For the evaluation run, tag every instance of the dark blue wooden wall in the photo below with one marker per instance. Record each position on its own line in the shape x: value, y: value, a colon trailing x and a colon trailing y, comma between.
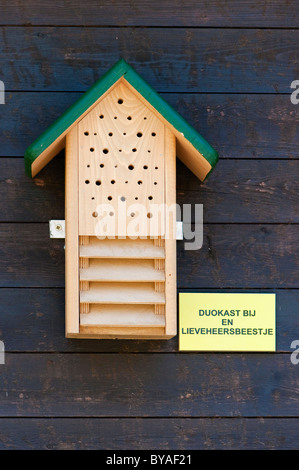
x: 227, y: 67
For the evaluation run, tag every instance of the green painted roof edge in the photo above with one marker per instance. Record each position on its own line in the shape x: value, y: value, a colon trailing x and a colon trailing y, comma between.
x: 72, y: 113
x: 172, y: 116
x: 121, y: 68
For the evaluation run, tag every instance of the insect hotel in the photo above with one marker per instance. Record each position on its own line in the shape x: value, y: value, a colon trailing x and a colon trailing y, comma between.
x: 121, y: 140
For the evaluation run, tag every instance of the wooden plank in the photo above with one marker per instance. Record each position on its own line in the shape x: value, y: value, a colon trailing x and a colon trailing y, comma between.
x: 34, y: 321
x: 122, y: 248
x: 233, y: 256
x: 115, y: 270
x: 170, y: 239
x: 238, y: 190
x: 249, y: 13
x: 277, y: 13
x: 243, y: 191
x: 147, y: 332
x: 242, y: 256
x: 148, y: 385
x: 152, y: 433
x: 122, y: 315
x: 122, y: 293
x: 214, y: 60
x: 71, y: 233
x: 238, y: 126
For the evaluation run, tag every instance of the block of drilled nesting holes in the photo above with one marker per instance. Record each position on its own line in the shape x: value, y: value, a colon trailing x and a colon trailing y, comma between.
x: 121, y: 140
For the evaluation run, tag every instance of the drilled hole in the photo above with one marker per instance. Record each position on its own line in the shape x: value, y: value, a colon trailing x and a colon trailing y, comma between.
x: 88, y: 166
x: 101, y: 116
x: 139, y: 134
x: 110, y: 134
x: 132, y: 214
x: 131, y: 167
x: 91, y: 149
x: 134, y: 150
x: 109, y: 198
x: 98, y: 183
x: 139, y: 182
x: 156, y: 168
x: 145, y: 118
x: 126, y: 182
x: 155, y: 183
x: 149, y: 151
x: 149, y: 215
x: 86, y: 133
x: 95, y: 214
x: 112, y: 181
x: 145, y: 167
x: 123, y: 198
x: 95, y: 133
x: 87, y: 181
x: 120, y: 101
x: 120, y: 150
x: 136, y: 198
x: 153, y: 134
x: 150, y: 198
x: 115, y: 117
x: 102, y: 165
x: 129, y: 118
x: 105, y: 151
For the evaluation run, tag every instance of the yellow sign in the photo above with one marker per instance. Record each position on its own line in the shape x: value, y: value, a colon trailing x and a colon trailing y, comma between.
x: 227, y: 322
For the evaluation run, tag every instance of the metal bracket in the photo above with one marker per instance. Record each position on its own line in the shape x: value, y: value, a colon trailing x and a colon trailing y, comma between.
x: 179, y: 231
x: 57, y: 228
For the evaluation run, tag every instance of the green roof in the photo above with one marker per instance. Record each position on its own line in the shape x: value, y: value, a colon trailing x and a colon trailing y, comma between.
x: 72, y: 114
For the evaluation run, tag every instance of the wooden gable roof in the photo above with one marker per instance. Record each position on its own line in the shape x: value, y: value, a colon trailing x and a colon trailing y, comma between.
x: 192, y: 149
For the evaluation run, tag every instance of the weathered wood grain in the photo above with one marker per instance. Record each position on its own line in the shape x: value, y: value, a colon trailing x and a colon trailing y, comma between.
x: 178, y: 60
x: 129, y: 385
x: 148, y: 434
x: 238, y: 190
x: 277, y: 13
x: 232, y: 256
x: 34, y: 320
x: 237, y: 125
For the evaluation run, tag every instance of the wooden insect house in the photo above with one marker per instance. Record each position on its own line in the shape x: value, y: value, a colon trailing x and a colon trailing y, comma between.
x: 121, y: 140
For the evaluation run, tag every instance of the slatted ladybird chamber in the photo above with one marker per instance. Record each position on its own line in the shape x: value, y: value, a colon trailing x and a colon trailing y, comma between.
x: 121, y: 141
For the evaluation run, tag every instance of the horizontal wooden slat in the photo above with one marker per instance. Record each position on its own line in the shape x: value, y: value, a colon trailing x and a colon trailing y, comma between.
x: 122, y: 315
x: 148, y: 385
x: 33, y: 320
x: 121, y: 292
x: 114, y: 270
x: 237, y: 126
x: 179, y: 60
x: 236, y: 191
x: 121, y: 248
x: 277, y: 13
x: 232, y: 256
x: 151, y: 433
